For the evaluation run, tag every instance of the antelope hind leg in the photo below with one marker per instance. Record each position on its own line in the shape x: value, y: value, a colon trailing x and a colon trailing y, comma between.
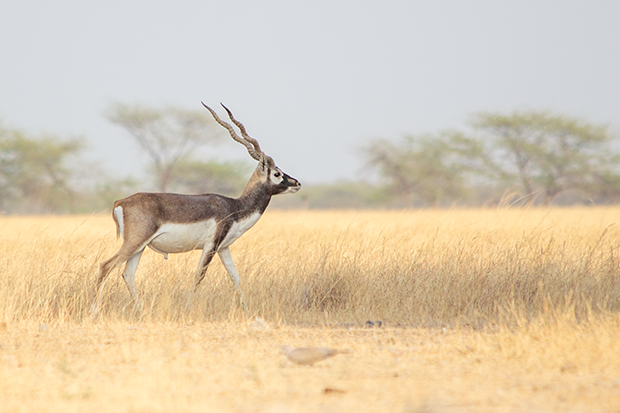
x: 129, y: 277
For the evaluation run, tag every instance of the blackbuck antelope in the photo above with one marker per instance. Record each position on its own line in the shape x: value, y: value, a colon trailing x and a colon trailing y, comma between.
x: 172, y: 223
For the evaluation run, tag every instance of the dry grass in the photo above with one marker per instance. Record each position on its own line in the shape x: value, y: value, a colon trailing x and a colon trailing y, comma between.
x: 485, y: 310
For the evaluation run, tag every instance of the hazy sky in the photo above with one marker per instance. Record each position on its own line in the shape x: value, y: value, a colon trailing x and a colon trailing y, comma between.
x: 311, y: 80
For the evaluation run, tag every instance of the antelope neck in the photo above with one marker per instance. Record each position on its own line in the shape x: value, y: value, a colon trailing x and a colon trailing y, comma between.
x: 253, y: 199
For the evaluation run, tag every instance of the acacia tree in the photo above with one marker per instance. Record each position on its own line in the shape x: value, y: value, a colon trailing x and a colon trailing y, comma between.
x: 168, y: 135
x: 545, y: 153
x: 429, y: 167
x: 35, y: 173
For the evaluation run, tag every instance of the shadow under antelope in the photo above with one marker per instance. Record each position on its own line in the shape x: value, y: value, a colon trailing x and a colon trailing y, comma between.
x: 173, y: 223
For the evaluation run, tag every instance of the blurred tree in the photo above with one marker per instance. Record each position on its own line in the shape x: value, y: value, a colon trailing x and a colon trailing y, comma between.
x: 108, y: 190
x: 342, y: 194
x: 167, y: 135
x: 196, y: 177
x: 605, y: 188
x: 545, y: 153
x: 429, y: 167
x: 34, y: 173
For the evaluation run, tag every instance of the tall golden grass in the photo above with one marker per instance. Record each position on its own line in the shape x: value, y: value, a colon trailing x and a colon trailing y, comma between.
x: 440, y: 268
x: 483, y: 310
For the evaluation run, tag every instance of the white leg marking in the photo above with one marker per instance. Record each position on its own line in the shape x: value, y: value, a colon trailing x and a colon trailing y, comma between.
x: 129, y: 277
x: 227, y: 260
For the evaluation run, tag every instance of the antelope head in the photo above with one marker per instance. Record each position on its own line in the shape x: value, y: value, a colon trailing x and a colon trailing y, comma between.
x: 271, y: 178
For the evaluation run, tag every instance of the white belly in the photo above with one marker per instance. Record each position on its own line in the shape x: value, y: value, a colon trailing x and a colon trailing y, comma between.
x: 173, y: 238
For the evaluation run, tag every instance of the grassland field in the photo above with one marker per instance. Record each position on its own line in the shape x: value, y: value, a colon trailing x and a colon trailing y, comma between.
x: 482, y: 310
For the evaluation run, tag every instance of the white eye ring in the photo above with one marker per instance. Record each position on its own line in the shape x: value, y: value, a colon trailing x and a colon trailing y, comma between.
x: 277, y: 174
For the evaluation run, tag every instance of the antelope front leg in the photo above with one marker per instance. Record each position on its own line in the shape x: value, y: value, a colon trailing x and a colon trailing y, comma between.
x: 104, y: 271
x: 205, y: 260
x: 227, y: 260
